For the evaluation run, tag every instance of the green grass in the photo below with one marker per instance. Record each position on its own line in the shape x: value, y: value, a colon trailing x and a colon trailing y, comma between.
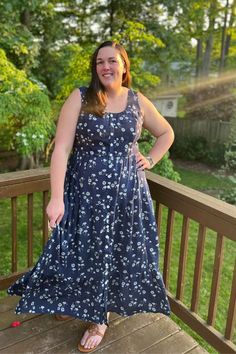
x: 196, y: 180
x: 203, y: 181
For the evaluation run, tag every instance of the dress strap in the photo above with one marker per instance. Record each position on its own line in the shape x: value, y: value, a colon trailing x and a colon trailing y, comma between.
x: 83, y: 90
x: 135, y: 100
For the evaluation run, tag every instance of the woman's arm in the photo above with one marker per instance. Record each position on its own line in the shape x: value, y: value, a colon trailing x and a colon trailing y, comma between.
x: 158, y: 126
x: 64, y: 140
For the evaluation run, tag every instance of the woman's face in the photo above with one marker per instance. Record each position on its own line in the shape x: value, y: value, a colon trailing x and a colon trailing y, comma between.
x: 110, y: 67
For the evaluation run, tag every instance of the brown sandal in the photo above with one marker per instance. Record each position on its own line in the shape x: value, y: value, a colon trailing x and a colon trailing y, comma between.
x: 60, y: 317
x: 93, y: 330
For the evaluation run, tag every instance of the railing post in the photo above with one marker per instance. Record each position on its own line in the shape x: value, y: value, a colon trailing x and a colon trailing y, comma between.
x: 198, y: 268
x: 168, y: 247
x: 14, y: 233
x: 182, y: 258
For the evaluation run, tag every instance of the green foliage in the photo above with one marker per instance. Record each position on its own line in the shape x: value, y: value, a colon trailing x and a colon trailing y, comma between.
x: 165, y: 166
x: 230, y: 153
x: 76, y: 61
x: 230, y: 164
x: 22, y: 30
x: 20, y: 46
x: 229, y: 196
x: 25, y: 111
x: 230, y: 160
x: 135, y: 36
x: 197, y: 148
x: 138, y: 41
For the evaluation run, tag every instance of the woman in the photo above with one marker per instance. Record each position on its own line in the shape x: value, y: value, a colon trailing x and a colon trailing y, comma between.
x: 103, y: 252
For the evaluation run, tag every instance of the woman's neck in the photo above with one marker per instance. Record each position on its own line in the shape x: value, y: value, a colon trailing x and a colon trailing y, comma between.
x: 115, y: 92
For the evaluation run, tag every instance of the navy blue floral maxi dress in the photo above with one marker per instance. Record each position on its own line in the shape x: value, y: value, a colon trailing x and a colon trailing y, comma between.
x: 103, y: 256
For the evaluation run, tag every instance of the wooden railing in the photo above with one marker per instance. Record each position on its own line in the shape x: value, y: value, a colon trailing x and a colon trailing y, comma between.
x: 210, y: 213
x: 14, y: 185
x: 169, y: 198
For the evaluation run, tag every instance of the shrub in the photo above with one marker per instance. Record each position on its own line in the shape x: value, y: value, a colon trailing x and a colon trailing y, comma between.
x: 197, y: 148
x: 25, y: 111
x: 229, y: 196
x: 165, y: 166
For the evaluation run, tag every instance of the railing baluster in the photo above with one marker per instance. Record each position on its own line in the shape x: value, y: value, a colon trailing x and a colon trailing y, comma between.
x: 45, y: 218
x: 14, y: 233
x: 168, y: 247
x: 215, y: 280
x: 198, y: 268
x: 231, y: 318
x: 182, y: 258
x: 30, y: 229
x: 158, y: 213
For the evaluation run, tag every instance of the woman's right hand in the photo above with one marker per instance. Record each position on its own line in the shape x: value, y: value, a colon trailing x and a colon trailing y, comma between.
x: 55, y: 211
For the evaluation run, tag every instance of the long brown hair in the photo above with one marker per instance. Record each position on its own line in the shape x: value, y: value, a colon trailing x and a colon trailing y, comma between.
x: 95, y: 96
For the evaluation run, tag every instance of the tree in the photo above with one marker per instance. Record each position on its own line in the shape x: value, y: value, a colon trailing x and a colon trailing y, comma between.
x: 227, y: 30
x: 25, y: 112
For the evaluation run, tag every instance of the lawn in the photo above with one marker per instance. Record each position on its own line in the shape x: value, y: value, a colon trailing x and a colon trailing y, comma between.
x: 204, y: 181
x: 196, y: 180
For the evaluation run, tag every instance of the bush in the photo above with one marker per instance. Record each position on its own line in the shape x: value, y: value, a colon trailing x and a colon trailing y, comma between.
x: 229, y: 196
x: 165, y: 166
x: 25, y: 111
x: 230, y: 153
x: 197, y: 148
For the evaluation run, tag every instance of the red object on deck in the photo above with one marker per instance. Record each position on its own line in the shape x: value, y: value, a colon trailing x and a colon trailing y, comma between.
x: 15, y: 323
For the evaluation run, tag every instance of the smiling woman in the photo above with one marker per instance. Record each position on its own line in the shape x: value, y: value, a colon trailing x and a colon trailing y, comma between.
x: 110, y: 69
x: 103, y: 254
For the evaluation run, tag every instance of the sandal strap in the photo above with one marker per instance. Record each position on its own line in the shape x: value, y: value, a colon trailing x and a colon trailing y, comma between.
x: 93, y: 329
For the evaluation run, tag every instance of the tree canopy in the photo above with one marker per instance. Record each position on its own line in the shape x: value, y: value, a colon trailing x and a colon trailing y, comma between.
x: 46, y: 48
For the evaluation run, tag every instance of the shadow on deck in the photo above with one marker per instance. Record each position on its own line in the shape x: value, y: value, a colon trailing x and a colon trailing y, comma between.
x: 141, y: 333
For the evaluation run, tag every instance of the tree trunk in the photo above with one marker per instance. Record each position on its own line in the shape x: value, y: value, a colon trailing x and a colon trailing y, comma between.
x: 25, y: 18
x: 111, y: 19
x: 209, y: 42
x: 231, y: 23
x: 207, y: 56
x: 223, y: 39
x: 199, y: 57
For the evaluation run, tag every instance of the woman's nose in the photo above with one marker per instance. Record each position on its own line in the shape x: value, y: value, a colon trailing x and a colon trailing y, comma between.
x: 105, y: 65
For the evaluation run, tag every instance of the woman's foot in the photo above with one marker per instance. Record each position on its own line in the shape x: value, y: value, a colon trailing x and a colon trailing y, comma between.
x: 92, y: 337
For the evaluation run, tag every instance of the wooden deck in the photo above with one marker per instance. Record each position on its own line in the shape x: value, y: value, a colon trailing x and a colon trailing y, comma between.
x: 146, y: 333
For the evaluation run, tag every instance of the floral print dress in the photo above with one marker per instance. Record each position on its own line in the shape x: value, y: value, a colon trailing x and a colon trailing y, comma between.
x: 104, y: 254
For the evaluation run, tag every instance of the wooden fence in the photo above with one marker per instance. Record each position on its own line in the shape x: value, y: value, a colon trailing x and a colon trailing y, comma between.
x: 212, y: 130
x: 206, y: 211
